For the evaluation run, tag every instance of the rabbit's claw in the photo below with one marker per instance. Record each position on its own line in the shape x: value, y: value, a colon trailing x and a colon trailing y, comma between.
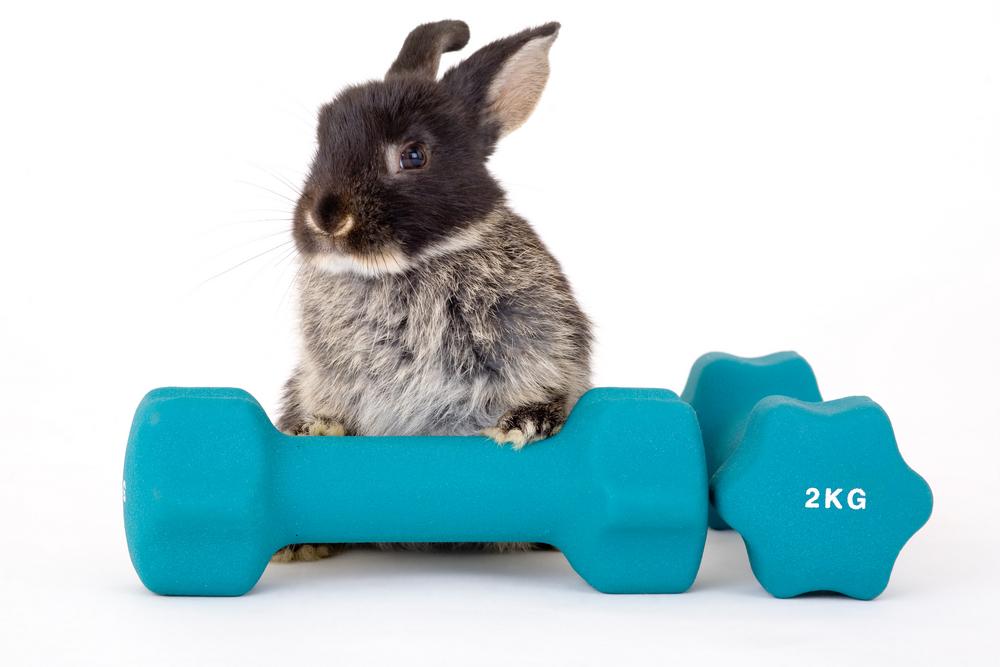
x: 305, y: 552
x: 320, y: 426
x: 528, y: 423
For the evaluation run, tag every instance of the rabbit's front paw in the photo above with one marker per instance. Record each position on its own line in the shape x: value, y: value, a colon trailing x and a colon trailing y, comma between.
x: 320, y: 426
x: 528, y: 423
x: 305, y: 552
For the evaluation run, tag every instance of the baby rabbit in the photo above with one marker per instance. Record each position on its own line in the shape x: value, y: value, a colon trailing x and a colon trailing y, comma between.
x: 427, y: 306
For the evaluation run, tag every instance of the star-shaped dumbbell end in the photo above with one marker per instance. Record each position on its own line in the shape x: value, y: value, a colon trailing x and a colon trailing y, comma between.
x: 821, y: 495
x: 723, y: 389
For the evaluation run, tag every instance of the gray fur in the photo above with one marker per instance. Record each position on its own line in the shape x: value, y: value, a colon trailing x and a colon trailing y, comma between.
x: 446, y: 348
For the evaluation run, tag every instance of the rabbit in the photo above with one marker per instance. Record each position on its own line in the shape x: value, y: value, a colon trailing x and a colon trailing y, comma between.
x: 427, y: 306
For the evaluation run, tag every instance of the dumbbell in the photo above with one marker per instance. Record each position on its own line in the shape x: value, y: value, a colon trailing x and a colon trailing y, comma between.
x: 818, y: 490
x: 212, y: 489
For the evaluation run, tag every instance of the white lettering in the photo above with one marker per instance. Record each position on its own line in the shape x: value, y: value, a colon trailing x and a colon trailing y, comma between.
x: 856, y: 499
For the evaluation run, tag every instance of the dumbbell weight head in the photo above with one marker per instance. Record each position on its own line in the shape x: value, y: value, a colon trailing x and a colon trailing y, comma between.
x: 821, y: 496
x: 649, y: 492
x: 723, y: 389
x: 818, y: 490
x: 197, y: 489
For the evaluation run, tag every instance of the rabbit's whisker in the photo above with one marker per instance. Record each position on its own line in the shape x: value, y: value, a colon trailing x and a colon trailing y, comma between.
x: 287, y: 256
x: 295, y: 279
x: 233, y: 222
x: 281, y: 179
x: 248, y: 242
x: 249, y: 259
x: 267, y: 189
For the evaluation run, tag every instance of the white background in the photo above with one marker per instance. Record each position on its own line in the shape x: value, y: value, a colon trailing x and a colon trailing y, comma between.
x: 747, y: 177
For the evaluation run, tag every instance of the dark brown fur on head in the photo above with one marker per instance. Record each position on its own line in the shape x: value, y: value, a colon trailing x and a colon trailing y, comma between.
x: 358, y: 202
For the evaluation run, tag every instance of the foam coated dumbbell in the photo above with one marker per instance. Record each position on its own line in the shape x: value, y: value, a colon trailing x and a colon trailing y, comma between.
x: 818, y: 490
x: 723, y: 389
x: 212, y: 489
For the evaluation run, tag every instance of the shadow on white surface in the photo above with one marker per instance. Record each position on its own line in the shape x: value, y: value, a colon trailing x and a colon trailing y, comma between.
x: 363, y: 568
x: 724, y: 567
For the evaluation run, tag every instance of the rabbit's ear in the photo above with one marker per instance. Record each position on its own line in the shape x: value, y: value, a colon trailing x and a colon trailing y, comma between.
x: 503, y: 81
x: 421, y: 52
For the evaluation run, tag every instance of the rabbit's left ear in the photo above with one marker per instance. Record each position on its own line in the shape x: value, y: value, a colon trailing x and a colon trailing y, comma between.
x: 421, y: 52
x: 503, y: 81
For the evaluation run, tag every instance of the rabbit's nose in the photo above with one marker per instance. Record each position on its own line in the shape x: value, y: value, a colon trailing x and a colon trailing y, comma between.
x: 332, y: 217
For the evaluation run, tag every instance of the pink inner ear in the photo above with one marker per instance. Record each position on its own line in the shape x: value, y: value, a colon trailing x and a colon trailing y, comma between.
x: 518, y: 86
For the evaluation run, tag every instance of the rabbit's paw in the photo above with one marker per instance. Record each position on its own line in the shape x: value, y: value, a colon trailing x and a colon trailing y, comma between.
x: 305, y: 552
x: 321, y: 426
x: 528, y: 423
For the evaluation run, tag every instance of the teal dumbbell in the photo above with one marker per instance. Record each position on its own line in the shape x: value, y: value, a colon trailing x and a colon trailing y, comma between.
x: 212, y: 489
x: 818, y: 490
x: 723, y: 389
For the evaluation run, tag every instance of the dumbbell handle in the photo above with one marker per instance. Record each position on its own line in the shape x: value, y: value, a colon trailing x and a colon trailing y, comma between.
x: 425, y: 489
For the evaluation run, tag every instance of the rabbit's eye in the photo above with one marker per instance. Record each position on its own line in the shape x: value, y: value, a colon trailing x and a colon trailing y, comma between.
x: 413, y: 156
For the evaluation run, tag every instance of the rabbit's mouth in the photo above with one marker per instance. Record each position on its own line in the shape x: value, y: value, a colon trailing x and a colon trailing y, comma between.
x: 372, y: 264
x: 346, y: 245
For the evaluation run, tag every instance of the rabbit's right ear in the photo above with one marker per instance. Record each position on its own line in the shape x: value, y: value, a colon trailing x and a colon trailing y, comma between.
x: 503, y: 81
x: 421, y: 52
